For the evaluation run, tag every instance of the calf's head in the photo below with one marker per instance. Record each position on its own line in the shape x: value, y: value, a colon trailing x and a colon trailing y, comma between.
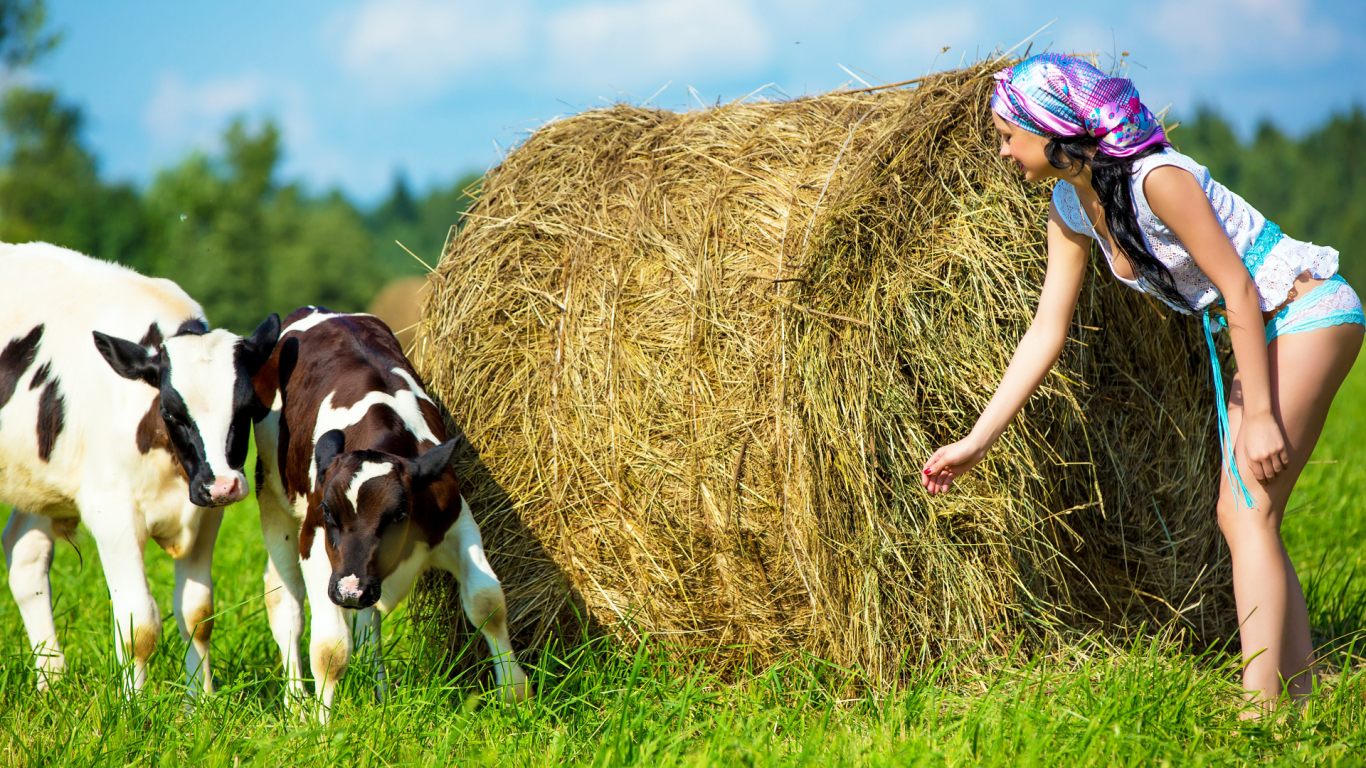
x: 206, y: 398
x: 367, y: 505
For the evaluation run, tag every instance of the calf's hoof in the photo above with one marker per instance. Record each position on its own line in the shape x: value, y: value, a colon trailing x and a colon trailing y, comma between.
x: 50, y: 672
x: 47, y: 679
x: 299, y: 707
x: 516, y: 687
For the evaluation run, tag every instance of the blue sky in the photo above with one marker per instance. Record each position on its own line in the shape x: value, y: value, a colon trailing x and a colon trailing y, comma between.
x: 439, y: 87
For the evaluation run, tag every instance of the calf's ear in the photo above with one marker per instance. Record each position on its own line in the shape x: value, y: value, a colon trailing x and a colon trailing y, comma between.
x: 430, y: 466
x: 128, y: 359
x: 257, y: 347
x: 328, y: 448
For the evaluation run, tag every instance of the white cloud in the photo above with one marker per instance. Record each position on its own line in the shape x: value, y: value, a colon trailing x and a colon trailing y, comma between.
x: 924, y: 35
x: 182, y: 116
x: 407, y: 45
x: 650, y: 41
x: 180, y: 113
x: 1223, y: 34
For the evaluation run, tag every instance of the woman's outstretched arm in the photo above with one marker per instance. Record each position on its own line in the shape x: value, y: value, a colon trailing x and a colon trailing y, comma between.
x: 1035, y: 354
x: 1178, y: 200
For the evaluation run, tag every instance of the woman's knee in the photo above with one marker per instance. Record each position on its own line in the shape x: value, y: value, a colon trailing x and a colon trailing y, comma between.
x: 1240, y: 523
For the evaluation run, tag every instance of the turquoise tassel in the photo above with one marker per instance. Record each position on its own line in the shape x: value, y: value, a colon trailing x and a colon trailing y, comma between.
x: 1253, y: 259
x: 1225, y: 436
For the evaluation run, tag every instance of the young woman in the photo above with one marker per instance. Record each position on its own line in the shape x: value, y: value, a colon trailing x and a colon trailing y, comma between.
x: 1166, y: 228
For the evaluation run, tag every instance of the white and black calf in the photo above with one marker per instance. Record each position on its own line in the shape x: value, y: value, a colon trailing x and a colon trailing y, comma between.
x: 137, y: 439
x: 357, y: 498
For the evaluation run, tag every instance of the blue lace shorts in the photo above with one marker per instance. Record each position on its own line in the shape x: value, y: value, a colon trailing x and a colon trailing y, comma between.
x: 1332, y: 303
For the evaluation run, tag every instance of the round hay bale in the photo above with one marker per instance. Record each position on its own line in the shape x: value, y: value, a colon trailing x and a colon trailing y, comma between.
x: 700, y: 358
x: 399, y: 305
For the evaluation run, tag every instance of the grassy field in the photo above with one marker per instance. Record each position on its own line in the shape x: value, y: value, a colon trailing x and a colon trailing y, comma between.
x: 1149, y: 703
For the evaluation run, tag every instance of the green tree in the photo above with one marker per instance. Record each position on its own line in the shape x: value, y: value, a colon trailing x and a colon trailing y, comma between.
x: 1331, y: 207
x: 220, y: 225
x: 1213, y: 139
x: 245, y: 246
x: 1314, y: 187
x: 421, y: 225
x: 50, y: 188
x: 210, y: 227
x: 444, y: 209
x: 399, y: 210
x: 23, y: 37
x: 321, y: 256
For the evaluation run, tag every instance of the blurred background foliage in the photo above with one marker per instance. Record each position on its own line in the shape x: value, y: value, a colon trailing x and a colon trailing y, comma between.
x: 1313, y: 186
x: 246, y: 243
x: 223, y: 226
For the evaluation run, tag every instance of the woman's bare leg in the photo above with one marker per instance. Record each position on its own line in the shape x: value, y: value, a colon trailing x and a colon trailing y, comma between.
x: 1297, y: 654
x: 1306, y: 371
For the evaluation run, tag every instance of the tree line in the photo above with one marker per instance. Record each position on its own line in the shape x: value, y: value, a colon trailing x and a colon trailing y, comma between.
x: 221, y: 225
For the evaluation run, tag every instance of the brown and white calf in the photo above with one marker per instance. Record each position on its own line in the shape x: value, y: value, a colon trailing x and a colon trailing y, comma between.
x: 357, y: 498
x: 137, y: 439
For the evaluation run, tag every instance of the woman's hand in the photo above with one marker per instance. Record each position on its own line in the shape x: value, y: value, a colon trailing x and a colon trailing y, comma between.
x: 1263, y: 445
x: 1036, y: 353
x: 950, y: 462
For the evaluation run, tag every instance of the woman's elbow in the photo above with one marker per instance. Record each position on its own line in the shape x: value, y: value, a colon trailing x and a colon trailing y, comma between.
x: 1047, y: 340
x: 1243, y: 296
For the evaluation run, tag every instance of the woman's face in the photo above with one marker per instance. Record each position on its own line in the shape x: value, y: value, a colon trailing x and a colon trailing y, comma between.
x: 1025, y: 148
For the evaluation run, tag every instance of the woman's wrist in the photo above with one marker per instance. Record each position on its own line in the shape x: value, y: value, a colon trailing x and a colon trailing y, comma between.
x: 1247, y: 332
x: 979, y: 442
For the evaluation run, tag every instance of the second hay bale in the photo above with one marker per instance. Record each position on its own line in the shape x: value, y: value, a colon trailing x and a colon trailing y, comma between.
x: 702, y: 356
x: 399, y: 305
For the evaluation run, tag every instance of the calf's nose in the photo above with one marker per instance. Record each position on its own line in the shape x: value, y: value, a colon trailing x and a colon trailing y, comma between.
x: 348, y: 589
x: 226, y: 490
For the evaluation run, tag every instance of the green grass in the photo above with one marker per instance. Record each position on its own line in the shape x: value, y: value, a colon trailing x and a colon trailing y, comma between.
x: 1094, y: 704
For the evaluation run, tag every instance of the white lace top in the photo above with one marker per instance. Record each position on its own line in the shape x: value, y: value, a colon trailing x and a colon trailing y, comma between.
x: 1243, y: 223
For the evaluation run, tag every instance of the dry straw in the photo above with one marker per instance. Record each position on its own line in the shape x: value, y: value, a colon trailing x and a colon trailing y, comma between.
x: 702, y: 356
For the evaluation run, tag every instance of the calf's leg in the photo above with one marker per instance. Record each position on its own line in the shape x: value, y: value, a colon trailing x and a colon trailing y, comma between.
x: 461, y: 553
x: 330, y: 644
x: 28, y: 556
x: 121, y: 539
x: 284, y: 588
x: 193, y: 602
x: 366, y: 622
x: 284, y: 582
x: 365, y: 640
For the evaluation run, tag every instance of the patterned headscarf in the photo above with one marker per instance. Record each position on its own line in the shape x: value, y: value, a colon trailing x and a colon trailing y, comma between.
x: 1054, y: 94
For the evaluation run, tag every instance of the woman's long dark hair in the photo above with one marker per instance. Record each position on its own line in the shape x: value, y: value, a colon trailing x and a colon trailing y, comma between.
x: 1110, y: 176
